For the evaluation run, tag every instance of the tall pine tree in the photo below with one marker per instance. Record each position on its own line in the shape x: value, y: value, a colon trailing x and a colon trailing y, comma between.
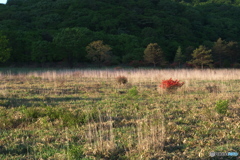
x: 201, y: 57
x: 179, y: 57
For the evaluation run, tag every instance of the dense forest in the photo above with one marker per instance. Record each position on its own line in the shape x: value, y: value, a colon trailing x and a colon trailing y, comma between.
x: 44, y: 32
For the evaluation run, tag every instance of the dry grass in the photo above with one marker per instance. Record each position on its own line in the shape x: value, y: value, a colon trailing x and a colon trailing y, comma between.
x: 75, y: 114
x: 137, y: 74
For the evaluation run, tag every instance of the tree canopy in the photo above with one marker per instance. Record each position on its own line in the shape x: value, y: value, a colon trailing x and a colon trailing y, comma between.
x: 154, y: 54
x: 35, y: 28
x: 98, y: 52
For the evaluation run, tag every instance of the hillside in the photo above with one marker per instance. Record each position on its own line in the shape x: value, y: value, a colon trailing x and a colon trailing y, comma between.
x: 32, y: 27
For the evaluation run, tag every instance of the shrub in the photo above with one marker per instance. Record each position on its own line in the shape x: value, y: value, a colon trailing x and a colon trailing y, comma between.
x: 122, y: 80
x: 171, y: 85
x: 222, y: 106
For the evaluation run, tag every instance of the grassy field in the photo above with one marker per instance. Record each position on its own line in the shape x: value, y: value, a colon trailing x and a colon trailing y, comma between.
x: 86, y: 114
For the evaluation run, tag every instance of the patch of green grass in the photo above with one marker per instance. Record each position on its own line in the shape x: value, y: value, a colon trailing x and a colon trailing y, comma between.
x: 222, y: 106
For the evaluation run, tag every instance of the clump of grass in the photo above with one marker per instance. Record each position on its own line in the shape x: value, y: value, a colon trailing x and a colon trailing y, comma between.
x: 76, y: 152
x: 122, y: 80
x: 222, y: 106
x: 133, y: 91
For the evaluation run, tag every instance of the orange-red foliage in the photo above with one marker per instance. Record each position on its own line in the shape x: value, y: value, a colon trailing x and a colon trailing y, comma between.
x: 170, y: 84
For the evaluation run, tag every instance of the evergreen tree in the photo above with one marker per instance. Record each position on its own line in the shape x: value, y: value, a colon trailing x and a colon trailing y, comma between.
x: 201, y: 57
x: 154, y: 54
x: 219, y: 50
x: 69, y: 43
x: 179, y: 57
x: 43, y: 51
x: 232, y: 53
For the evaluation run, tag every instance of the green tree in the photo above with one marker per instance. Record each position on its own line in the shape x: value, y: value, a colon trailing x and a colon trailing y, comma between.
x: 69, y: 43
x: 21, y: 44
x: 201, y: 57
x: 125, y: 47
x: 43, y: 51
x: 179, y: 57
x: 154, y: 54
x: 219, y: 49
x: 232, y: 53
x: 98, y: 52
x: 5, y: 51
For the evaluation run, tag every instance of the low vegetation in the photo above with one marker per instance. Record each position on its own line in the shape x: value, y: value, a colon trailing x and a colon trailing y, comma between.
x: 81, y: 114
x: 121, y: 80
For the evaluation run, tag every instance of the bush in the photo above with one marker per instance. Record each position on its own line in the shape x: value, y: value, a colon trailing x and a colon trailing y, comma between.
x: 171, y: 85
x: 122, y: 80
x: 222, y: 106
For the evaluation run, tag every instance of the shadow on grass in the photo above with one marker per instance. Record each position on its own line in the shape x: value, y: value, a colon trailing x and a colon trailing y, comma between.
x: 16, y: 102
x: 18, y: 150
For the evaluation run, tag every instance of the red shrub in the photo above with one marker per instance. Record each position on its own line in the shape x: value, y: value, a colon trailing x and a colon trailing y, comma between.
x: 171, y: 85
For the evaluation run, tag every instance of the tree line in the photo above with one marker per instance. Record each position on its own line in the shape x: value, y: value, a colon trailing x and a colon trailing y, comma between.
x: 53, y: 31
